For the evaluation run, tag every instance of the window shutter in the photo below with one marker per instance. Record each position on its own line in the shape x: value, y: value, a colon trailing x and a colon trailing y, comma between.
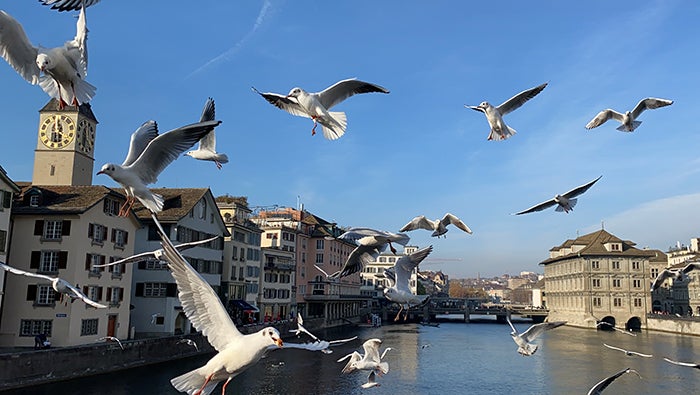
x: 104, y: 233
x: 126, y: 237
x: 121, y: 294
x: 114, y: 235
x: 105, y: 206
x: 85, y: 290
x: 34, y: 262
x: 6, y: 199
x: 102, y: 262
x: 99, y: 293
x: 31, y: 292
x: 109, y: 294
x: 142, y: 265
x: 65, y: 228
x: 171, y: 290
x: 62, y: 259
x: 91, y: 230
x: 88, y: 262
x: 38, y: 227
x: 123, y: 271
x: 139, y: 289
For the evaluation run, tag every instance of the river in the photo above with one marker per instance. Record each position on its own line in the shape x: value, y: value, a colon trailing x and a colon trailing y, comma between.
x: 454, y: 358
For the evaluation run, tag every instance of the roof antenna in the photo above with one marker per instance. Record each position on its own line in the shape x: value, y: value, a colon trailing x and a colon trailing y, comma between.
x: 602, y: 224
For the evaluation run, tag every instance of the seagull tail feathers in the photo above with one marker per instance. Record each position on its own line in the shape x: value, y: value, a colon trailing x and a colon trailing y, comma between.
x: 154, y: 203
x: 572, y: 203
x: 384, y: 367
x: 84, y: 91
x: 192, y: 381
x: 635, y: 125
x: 336, y: 128
x: 511, y: 132
x: 222, y: 158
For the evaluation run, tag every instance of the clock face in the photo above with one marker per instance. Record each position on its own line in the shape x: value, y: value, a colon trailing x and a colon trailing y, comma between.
x: 57, y: 131
x: 86, y: 136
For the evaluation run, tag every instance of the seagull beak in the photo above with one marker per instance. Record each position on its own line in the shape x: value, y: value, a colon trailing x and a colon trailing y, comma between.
x: 100, y: 172
x: 475, y: 108
x: 279, y: 342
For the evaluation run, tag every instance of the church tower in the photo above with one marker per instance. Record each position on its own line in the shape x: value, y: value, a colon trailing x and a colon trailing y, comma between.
x: 65, y: 147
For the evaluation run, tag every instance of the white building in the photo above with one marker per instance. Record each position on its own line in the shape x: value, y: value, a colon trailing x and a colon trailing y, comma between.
x: 7, y: 189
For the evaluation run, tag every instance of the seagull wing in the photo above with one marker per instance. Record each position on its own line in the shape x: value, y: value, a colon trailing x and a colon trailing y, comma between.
x: 518, y: 100
x: 140, y: 140
x: 341, y: 341
x: 354, y: 357
x: 17, y: 50
x: 615, y: 348
x: 23, y: 273
x: 201, y: 304
x: 580, y: 190
x: 405, y: 265
x: 603, y: 384
x: 649, y: 103
x: 419, y: 222
x: 68, y: 5
x: 538, y: 207
x: 79, y: 294
x: 341, y: 90
x: 603, y: 117
x: 536, y: 330
x: 208, y: 142
x: 688, y: 364
x: 515, y: 331
x: 690, y: 267
x: 641, y: 355
x: 288, y: 104
x: 318, y: 345
x: 661, y: 277
x: 357, y: 260
x: 167, y: 147
x: 451, y: 219
x: 131, y: 259
x: 371, y: 348
x: 76, y: 49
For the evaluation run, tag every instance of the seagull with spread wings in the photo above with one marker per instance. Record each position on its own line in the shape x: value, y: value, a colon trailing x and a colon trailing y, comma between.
x: 207, y: 145
x: 59, y: 71
x: 494, y: 115
x: 565, y: 202
x: 523, y: 340
x: 111, y: 339
x: 58, y: 284
x: 438, y: 226
x: 686, y: 364
x: 628, y: 352
x: 317, y: 344
x: 629, y: 118
x: 399, y: 291
x: 603, y: 384
x: 157, y: 254
x: 189, y: 342
x: 317, y: 105
x: 605, y: 324
x: 149, y: 154
x: 69, y: 5
x: 676, y: 274
x: 371, y: 360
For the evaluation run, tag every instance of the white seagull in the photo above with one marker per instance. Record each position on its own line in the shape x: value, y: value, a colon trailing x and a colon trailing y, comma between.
x: 189, y: 342
x: 371, y: 360
x: 371, y: 243
x: 157, y: 254
x: 371, y: 381
x: 149, y: 154
x: 628, y: 352
x: 565, y: 202
x: 207, y: 145
x: 317, y: 344
x: 676, y: 274
x: 202, y: 306
x: 316, y: 105
x: 494, y: 115
x: 59, y: 71
x: 609, y: 325
x: 399, y: 292
x: 525, y: 348
x: 628, y: 119
x: 113, y: 339
x: 603, y: 384
x: 69, y: 5
x: 686, y: 364
x: 438, y: 226
x: 58, y: 284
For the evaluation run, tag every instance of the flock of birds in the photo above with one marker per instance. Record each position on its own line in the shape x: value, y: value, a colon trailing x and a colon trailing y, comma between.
x: 61, y: 73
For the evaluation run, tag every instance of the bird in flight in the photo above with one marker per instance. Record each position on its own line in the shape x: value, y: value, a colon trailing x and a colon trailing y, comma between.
x: 629, y: 118
x: 565, y: 202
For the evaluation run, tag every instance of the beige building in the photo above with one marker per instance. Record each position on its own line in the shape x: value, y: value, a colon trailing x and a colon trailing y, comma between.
x: 373, y: 279
x: 597, y: 277
x: 7, y: 190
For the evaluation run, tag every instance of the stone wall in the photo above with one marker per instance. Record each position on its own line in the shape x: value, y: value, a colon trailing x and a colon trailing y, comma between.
x: 673, y: 324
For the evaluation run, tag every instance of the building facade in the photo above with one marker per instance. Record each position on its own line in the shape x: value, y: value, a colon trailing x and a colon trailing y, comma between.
x: 7, y: 191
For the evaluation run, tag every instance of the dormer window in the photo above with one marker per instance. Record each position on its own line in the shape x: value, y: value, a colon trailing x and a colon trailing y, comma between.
x: 613, y: 246
x: 34, y: 201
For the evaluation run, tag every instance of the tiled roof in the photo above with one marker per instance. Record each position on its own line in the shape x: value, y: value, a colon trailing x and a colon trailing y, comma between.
x: 178, y: 203
x: 8, y: 180
x: 60, y: 199
x: 84, y: 109
x: 595, y: 246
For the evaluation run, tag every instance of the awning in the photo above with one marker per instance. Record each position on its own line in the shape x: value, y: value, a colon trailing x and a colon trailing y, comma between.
x: 243, y: 305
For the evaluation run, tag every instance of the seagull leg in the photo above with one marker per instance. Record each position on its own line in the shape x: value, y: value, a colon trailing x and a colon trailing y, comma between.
x: 199, y: 391
x: 75, y: 99
x: 223, y: 389
x: 123, y: 207
x: 398, y: 315
x: 218, y: 165
x: 313, y: 130
x: 391, y: 247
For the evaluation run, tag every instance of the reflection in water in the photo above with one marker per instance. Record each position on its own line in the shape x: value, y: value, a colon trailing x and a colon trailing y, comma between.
x: 476, y: 358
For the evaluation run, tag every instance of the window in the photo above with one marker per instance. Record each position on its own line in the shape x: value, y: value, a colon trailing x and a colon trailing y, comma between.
x: 637, y: 302
x: 154, y: 290
x: 319, y: 257
x: 319, y: 244
x: 597, y: 302
x: 93, y: 292
x: 234, y: 253
x: 111, y: 207
x: 49, y: 262
x: 252, y: 271
x: 252, y: 288
x: 3, y: 240
x: 6, y: 199
x: 616, y: 282
x: 635, y: 265
x: 616, y: 265
x: 115, y: 295
x: 88, y: 327
x: 615, y: 247
x: 52, y: 230
x: 45, y: 295
x: 154, y: 264
x: 35, y: 327
x: 654, y: 272
x: 119, y: 237
x: 596, y: 283
x: 97, y: 232
x: 202, y: 209
x: 637, y: 283
x: 595, y: 265
x: 239, y: 236
x: 617, y: 302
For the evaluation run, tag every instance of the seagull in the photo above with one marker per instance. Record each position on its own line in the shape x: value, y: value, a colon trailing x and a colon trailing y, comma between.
x: 69, y: 5
x: 371, y: 243
x: 688, y: 364
x: 58, y: 284
x: 189, y: 342
x: 316, y: 345
x: 494, y: 115
x: 316, y: 105
x: 438, y: 226
x: 207, y: 145
x: 627, y: 352
x: 628, y: 119
x: 565, y: 202
x: 113, y: 339
x: 676, y: 274
x: 157, y: 254
x: 149, y: 154
x: 154, y: 317
x: 609, y: 325
x: 371, y: 360
x: 371, y: 381
x: 202, y: 306
x: 603, y: 384
x: 59, y: 71
x: 399, y: 291
x: 301, y: 329
x: 525, y: 348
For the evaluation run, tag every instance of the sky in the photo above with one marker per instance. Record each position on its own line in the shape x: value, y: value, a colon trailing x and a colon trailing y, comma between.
x: 417, y: 150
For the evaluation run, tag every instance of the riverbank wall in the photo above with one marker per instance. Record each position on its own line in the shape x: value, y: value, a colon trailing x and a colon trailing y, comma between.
x: 672, y: 324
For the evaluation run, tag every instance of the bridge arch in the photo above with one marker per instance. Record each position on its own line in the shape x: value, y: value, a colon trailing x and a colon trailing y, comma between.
x: 610, y: 320
x: 634, y: 324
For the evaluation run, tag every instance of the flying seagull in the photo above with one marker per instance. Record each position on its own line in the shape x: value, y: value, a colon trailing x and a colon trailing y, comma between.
x: 149, y: 154
x: 687, y: 364
x: 565, y: 202
x: 628, y: 119
x: 627, y: 352
x: 202, y: 306
x: 371, y: 381
x: 317, y: 345
x: 113, y: 339
x: 494, y: 115
x: 59, y: 71
x: 371, y: 360
x: 189, y: 342
x: 316, y: 105
x: 603, y: 384
x: 69, y: 5
x: 399, y: 292
x: 58, y: 284
x: 207, y: 145
x: 609, y: 325
x: 157, y: 254
x: 525, y: 348
x: 438, y: 226
x: 676, y: 274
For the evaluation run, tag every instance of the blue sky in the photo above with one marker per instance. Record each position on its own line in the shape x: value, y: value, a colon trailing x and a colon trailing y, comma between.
x: 416, y: 150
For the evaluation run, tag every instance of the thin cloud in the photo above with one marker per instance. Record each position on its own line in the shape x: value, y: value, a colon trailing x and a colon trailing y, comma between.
x: 264, y: 11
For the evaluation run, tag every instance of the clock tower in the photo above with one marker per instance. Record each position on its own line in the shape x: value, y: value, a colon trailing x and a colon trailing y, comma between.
x: 64, y: 153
